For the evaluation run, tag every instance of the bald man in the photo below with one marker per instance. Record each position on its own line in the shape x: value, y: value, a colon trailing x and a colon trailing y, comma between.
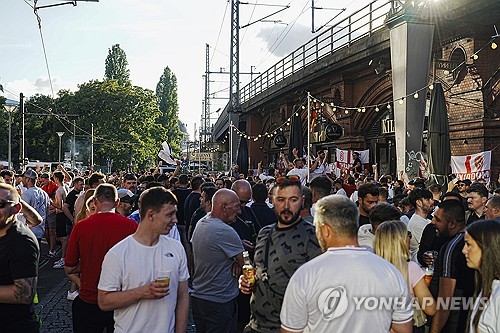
x: 216, y: 248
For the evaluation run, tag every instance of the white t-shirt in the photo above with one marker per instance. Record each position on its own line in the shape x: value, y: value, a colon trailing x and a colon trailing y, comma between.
x: 130, y: 264
x: 341, y: 191
x: 326, y: 294
x: 416, y: 227
x: 365, y: 237
x: 302, y: 173
x: 490, y: 319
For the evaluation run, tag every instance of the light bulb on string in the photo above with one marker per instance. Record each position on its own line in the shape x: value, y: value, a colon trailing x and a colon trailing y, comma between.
x: 431, y: 87
x: 377, y: 109
x: 281, y: 129
x: 322, y: 104
x: 494, y: 45
x: 332, y: 105
x: 287, y: 124
x: 446, y: 72
x: 296, y: 114
x: 389, y: 106
x: 402, y: 100
x: 475, y: 57
x: 346, y: 111
x: 363, y: 110
x: 359, y: 109
x: 303, y: 107
x: 415, y: 95
x: 334, y: 109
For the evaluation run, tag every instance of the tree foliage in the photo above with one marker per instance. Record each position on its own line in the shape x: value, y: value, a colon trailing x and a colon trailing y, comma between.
x: 116, y: 66
x: 166, y: 92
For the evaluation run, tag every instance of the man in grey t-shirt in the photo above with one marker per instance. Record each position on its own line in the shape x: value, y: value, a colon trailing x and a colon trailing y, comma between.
x: 217, y: 248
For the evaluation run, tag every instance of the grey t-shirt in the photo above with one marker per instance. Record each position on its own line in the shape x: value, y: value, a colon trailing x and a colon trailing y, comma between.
x: 289, y: 248
x: 215, y: 244
x: 39, y: 200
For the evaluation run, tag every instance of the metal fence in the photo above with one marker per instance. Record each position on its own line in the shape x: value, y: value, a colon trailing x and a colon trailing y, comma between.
x: 360, y: 24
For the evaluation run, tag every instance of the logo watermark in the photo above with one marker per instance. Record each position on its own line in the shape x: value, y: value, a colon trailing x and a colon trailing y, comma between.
x: 334, y: 302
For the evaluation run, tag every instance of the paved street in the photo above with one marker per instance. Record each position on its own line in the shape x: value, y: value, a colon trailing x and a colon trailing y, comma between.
x: 54, y: 309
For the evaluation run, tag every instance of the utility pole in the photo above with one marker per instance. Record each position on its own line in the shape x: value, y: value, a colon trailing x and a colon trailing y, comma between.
x: 23, y: 152
x: 206, y: 110
x: 234, y: 79
x: 92, y: 148
x: 74, y: 145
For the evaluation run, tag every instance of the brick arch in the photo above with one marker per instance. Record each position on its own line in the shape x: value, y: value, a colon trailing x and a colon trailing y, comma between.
x: 379, y: 92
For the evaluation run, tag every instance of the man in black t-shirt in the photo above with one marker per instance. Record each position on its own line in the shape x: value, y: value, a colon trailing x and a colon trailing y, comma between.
x: 19, y: 253
x: 367, y: 198
x: 453, y: 282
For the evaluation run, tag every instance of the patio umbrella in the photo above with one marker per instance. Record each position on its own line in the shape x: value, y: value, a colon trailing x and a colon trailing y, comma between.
x: 438, y: 138
x: 296, y: 135
x: 242, y: 158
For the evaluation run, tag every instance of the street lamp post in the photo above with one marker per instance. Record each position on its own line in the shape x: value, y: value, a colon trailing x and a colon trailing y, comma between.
x: 60, y: 134
x: 10, y: 107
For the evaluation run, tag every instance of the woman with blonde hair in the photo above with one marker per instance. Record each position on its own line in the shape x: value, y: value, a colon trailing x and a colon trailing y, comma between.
x: 84, y: 211
x: 482, y: 252
x: 392, y: 242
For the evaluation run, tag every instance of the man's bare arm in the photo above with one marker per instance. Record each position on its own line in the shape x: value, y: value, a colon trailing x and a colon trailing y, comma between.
x: 21, y: 292
x: 30, y: 214
x: 182, y: 308
x: 446, y: 290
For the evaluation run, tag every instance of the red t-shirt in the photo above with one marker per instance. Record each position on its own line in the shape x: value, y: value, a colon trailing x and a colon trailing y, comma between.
x: 349, y: 189
x: 89, y: 242
x: 50, y: 189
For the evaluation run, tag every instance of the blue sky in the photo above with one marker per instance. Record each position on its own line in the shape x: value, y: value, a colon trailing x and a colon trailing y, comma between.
x: 154, y: 34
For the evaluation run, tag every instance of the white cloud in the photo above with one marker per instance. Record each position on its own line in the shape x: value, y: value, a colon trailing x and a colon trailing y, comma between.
x: 41, y: 85
x: 282, y: 40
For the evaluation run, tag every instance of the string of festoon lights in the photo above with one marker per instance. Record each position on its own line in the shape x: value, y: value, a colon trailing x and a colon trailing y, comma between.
x: 316, y: 104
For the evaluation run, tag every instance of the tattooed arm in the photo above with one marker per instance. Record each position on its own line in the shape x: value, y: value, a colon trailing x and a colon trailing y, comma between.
x: 21, y: 292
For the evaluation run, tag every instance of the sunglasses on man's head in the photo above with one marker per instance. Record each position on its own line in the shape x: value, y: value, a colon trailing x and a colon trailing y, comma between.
x: 291, y: 178
x: 4, y: 203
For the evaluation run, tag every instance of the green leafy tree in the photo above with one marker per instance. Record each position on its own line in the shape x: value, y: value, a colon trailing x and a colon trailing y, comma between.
x: 166, y: 92
x: 116, y: 66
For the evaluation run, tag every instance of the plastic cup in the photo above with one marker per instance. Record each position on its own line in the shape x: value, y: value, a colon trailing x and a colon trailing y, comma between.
x: 429, y: 272
x: 163, y: 277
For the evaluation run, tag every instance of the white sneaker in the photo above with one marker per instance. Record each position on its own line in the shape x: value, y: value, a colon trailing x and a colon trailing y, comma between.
x: 72, y: 295
x: 59, y: 263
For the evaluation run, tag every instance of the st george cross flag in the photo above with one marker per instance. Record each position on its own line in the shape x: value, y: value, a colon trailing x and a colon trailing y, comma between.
x: 472, y: 167
x: 345, y: 159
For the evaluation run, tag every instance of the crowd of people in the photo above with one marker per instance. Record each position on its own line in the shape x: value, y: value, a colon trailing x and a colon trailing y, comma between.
x: 358, y: 253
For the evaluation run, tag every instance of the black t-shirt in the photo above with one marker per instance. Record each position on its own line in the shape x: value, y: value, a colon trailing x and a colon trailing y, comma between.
x: 190, y: 206
x: 198, y: 215
x: 71, y: 199
x: 19, y: 254
x: 429, y: 242
x: 357, y: 165
x: 363, y: 220
x: 247, y: 226
x: 181, y: 194
x: 451, y: 263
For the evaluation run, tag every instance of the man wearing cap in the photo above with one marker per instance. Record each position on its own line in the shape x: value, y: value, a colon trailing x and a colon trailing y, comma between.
x: 19, y: 253
x: 127, y: 199
x: 36, y: 198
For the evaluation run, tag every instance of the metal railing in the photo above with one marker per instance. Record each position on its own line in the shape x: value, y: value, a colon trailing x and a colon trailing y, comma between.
x: 360, y: 24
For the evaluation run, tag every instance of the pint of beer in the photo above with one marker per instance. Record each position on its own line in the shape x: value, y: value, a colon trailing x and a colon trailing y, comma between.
x: 163, y: 277
x: 428, y: 275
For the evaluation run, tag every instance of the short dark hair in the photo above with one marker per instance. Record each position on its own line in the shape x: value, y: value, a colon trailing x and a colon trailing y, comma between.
x: 452, y: 194
x: 106, y: 193
x: 78, y: 179
x: 479, y: 189
x: 196, y: 183
x: 129, y: 176
x: 322, y: 185
x: 435, y: 188
x: 209, y: 192
x: 183, y: 179
x: 366, y: 189
x: 259, y: 193
x: 287, y: 183
x: 418, y: 194
x: 453, y: 211
x: 383, y: 193
x: 59, y: 175
x: 383, y: 212
x: 4, y: 173
x: 95, y: 178
x: 173, y: 180
x: 308, y: 198
x: 154, y: 198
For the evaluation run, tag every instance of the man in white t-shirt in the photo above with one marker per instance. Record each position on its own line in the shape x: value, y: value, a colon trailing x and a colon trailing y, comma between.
x: 131, y: 268
x: 421, y: 200
x: 299, y: 170
x: 347, y: 288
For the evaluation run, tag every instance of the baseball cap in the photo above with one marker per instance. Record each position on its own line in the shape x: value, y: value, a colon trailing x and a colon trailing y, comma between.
x: 30, y: 173
x: 126, y: 195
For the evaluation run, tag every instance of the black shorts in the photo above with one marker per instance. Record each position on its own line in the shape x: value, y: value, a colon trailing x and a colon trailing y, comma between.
x: 61, y: 229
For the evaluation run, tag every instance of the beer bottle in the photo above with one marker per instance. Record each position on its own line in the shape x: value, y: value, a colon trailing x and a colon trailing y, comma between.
x: 248, y: 269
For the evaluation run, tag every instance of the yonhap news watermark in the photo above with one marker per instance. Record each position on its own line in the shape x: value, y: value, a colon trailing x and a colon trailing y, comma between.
x: 334, y: 302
